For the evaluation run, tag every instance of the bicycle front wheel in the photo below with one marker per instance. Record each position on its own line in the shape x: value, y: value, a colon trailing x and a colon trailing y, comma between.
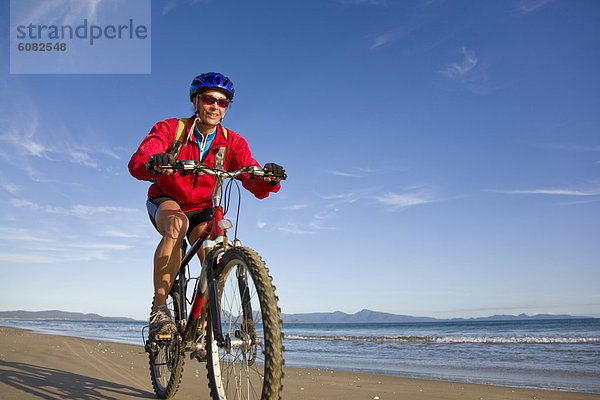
x: 249, y: 364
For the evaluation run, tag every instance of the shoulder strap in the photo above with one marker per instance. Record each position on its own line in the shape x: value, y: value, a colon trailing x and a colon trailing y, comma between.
x: 178, y: 141
x: 220, y: 156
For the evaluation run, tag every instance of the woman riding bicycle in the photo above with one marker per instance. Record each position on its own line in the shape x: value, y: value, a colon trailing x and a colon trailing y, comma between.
x: 181, y: 205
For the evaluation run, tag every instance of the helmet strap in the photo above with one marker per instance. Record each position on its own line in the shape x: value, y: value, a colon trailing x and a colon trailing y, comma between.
x: 198, y: 119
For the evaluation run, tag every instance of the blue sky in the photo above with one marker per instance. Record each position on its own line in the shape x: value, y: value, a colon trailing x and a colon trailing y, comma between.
x: 443, y: 157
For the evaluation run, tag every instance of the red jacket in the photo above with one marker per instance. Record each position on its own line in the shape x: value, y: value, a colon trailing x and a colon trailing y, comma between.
x: 182, y: 189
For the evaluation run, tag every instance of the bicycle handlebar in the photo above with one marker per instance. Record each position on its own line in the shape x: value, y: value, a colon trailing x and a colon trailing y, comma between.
x: 194, y: 166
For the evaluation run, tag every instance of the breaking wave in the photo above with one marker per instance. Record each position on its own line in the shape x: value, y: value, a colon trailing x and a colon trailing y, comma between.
x: 452, y: 339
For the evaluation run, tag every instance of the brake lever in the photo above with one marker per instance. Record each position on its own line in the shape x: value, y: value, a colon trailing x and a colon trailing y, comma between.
x: 183, y: 167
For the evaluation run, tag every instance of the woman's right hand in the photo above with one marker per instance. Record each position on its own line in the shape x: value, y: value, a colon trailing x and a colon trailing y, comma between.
x: 158, y: 160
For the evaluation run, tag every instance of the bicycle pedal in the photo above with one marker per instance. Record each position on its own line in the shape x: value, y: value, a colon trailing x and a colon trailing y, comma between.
x: 164, y: 336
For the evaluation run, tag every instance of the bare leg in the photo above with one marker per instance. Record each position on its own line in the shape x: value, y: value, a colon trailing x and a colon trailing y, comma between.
x: 172, y: 224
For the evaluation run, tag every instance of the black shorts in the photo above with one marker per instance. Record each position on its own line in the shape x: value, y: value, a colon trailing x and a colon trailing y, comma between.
x: 195, y: 217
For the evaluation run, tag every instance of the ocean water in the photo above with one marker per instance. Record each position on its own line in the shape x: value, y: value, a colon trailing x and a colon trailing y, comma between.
x: 547, y: 354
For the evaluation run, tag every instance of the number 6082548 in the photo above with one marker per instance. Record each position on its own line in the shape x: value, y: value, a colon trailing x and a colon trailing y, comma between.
x: 42, y: 46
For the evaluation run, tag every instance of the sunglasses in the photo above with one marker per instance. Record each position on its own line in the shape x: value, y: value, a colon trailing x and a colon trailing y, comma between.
x: 209, y: 100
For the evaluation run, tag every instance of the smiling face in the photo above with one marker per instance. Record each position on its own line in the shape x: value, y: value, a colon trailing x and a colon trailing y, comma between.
x: 210, y: 114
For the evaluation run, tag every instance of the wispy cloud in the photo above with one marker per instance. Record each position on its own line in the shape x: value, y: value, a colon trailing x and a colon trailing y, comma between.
x: 294, y: 228
x: 329, y: 206
x: 59, y: 252
x: 10, y: 187
x: 386, y: 37
x: 458, y: 69
x: 531, y: 6
x: 64, y: 12
x: 332, y: 204
x: 168, y: 6
x: 82, y: 158
x: 295, y: 207
x: 76, y: 210
x: 395, y: 33
x: 79, y: 10
x: 346, y: 174
x: 28, y: 258
x: 34, y: 246
x: 398, y: 201
x: 100, y: 246
x: 22, y: 136
x: 554, y: 192
x: 326, y: 217
x: 117, y: 234
x: 53, y: 12
x: 318, y: 226
x: 469, y: 72
x: 171, y: 4
x: 22, y: 235
x: 356, y: 173
x: 347, y: 197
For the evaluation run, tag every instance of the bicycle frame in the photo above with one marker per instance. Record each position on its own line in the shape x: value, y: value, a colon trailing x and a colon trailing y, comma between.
x: 207, y: 282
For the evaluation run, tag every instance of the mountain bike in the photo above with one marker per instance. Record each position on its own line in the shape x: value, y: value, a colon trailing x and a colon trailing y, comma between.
x: 240, y: 339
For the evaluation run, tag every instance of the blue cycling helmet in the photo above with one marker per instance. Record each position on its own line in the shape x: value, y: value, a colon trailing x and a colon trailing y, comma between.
x: 211, y: 80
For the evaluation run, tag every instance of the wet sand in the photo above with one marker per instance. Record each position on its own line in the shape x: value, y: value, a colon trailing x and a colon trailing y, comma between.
x: 35, y: 366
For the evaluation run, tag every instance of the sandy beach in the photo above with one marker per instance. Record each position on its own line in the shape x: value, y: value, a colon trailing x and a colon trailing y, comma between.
x: 35, y: 366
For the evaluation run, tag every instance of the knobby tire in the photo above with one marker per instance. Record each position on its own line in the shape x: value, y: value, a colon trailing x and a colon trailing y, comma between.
x: 242, y: 372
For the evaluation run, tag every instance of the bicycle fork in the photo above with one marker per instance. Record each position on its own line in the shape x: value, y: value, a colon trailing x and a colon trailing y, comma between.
x: 209, y: 283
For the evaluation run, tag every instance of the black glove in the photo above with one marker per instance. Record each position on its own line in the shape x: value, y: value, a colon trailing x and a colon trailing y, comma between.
x: 159, y: 160
x: 275, y: 170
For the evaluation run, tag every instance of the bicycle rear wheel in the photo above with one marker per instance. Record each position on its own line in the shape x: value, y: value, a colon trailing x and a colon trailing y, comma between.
x: 166, y: 356
x: 250, y: 365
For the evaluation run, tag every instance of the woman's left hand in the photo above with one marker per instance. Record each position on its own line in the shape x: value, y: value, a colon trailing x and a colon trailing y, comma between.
x: 275, y: 173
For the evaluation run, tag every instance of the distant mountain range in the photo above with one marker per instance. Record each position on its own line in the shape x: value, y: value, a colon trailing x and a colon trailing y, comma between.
x: 58, y: 315
x: 368, y: 316
x: 364, y: 316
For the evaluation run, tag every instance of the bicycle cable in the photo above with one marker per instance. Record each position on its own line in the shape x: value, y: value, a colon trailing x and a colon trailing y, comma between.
x: 227, y: 201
